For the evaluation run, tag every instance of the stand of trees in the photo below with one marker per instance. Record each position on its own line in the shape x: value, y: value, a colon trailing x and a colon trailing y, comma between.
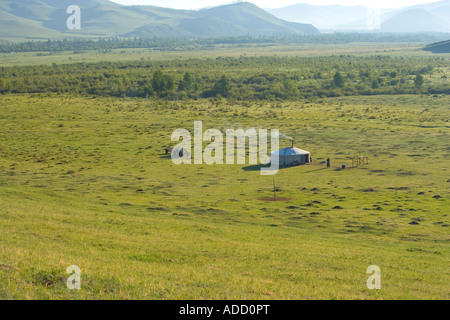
x: 237, y: 78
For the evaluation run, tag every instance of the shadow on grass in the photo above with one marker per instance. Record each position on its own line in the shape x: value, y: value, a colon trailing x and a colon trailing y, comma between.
x: 258, y: 167
x: 320, y: 169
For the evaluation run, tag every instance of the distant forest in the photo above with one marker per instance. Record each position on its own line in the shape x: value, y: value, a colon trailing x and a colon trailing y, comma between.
x: 184, y: 43
x: 244, y: 78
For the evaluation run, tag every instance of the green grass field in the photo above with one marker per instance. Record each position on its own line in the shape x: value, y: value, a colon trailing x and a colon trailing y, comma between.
x: 213, y: 51
x: 86, y: 182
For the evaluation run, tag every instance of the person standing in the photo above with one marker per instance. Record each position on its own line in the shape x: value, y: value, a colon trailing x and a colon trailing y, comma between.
x: 328, y: 163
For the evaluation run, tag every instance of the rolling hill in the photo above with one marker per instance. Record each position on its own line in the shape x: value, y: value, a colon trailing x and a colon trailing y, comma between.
x: 16, y: 27
x: 414, y: 20
x: 439, y: 47
x: 420, y: 18
x: 47, y: 18
x: 321, y: 16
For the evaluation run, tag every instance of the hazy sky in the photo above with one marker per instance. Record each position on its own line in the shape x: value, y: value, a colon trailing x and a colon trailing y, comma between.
x: 195, y: 4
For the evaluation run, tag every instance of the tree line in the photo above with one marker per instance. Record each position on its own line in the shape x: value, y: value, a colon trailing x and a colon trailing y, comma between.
x: 168, y: 44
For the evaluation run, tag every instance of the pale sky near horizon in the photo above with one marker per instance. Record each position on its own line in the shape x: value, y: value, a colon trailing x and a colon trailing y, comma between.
x: 196, y: 4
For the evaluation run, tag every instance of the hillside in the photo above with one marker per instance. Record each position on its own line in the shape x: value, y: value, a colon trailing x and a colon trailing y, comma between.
x: 47, y: 18
x: 421, y: 18
x: 88, y: 184
x: 16, y: 27
x: 320, y: 16
x: 229, y: 20
x: 439, y: 47
x: 414, y: 20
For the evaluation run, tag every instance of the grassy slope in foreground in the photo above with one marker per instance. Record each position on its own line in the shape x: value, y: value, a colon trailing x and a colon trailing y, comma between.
x: 84, y: 181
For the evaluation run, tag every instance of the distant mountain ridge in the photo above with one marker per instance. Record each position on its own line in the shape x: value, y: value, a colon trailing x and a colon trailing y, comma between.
x: 434, y: 17
x: 47, y: 18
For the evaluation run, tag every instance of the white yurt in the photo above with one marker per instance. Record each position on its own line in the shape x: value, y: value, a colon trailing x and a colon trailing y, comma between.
x: 290, y: 156
x: 180, y: 153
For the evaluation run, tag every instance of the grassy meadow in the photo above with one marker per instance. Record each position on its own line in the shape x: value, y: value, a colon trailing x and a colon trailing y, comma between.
x: 85, y: 181
x: 213, y: 51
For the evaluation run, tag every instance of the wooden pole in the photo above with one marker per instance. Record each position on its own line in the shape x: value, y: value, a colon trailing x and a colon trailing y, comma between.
x: 274, y: 189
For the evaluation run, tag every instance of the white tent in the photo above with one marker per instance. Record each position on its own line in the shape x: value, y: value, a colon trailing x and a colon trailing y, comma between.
x: 290, y: 157
x: 180, y: 153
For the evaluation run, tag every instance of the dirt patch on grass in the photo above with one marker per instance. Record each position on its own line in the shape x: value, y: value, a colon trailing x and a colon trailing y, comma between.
x: 406, y: 173
x: 48, y: 278
x: 274, y: 199
x: 398, y: 189
x: 4, y: 266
